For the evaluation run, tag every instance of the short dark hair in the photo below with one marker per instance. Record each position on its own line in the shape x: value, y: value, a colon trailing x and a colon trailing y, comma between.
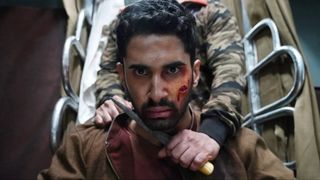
x: 162, y: 17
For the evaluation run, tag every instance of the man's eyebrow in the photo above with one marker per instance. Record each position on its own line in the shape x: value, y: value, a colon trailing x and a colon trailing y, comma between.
x: 138, y: 66
x: 174, y: 64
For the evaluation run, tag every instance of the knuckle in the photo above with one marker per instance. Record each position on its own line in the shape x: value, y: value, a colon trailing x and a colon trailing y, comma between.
x: 97, y: 120
x: 106, y: 102
x: 200, y: 159
x: 117, y: 98
x: 170, y: 147
x: 185, y: 161
x: 98, y: 116
x: 195, y: 166
x: 175, y: 155
x: 169, y: 152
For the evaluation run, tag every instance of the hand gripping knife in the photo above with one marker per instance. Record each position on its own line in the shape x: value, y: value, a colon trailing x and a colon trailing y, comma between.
x: 164, y: 138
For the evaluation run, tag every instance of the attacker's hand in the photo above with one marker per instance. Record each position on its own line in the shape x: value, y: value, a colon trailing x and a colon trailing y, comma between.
x: 108, y: 111
x: 190, y: 149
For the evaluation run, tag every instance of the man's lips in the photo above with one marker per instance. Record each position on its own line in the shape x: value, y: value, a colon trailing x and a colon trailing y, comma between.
x: 158, y: 112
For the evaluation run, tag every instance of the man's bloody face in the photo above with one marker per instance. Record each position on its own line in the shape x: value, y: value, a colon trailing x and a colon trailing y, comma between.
x: 158, y: 76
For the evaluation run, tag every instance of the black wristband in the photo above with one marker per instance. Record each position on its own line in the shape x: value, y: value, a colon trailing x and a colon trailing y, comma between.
x: 215, y: 128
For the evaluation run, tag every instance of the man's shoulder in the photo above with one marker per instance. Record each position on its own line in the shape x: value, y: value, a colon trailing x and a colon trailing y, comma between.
x: 246, y: 133
x: 212, y: 8
x: 259, y: 161
x: 87, y: 134
x: 245, y: 140
x: 88, y: 127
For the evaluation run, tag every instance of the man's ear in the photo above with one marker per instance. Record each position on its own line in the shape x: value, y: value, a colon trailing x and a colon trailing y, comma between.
x: 120, y: 70
x: 196, y: 72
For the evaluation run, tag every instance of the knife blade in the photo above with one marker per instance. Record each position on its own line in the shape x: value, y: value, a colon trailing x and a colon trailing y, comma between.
x: 161, y: 136
x: 164, y: 138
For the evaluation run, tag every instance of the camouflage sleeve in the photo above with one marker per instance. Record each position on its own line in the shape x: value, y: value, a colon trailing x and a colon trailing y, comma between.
x: 224, y: 56
x: 108, y: 83
x: 220, y: 36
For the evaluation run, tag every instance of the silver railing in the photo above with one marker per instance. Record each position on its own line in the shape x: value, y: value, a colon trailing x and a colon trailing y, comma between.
x: 281, y: 107
x: 71, y: 100
x: 57, y: 123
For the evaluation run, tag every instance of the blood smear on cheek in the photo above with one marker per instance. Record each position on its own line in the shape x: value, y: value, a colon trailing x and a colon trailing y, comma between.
x: 182, y: 90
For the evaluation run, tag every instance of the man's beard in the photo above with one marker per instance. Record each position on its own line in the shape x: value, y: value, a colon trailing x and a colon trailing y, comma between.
x: 161, y: 124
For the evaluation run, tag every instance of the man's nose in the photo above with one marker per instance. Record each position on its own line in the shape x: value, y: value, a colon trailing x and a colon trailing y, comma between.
x: 158, y: 89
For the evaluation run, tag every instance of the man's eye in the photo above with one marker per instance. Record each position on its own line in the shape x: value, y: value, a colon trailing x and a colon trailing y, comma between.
x: 173, y: 70
x: 141, y: 72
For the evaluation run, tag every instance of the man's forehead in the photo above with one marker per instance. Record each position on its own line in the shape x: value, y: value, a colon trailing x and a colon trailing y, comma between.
x: 156, y: 50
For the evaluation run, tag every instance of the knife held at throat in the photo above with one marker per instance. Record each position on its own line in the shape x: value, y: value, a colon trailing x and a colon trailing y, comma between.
x: 164, y: 138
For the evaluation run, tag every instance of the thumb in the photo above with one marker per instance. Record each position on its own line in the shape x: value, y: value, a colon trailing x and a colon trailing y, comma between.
x: 162, y: 153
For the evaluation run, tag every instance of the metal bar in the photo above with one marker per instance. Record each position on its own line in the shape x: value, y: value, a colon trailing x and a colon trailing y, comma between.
x: 72, y: 99
x: 265, y: 23
x: 279, y: 108
x: 245, y: 18
x: 80, y: 24
x: 298, y: 77
x: 281, y: 112
x: 253, y: 67
x: 253, y: 84
x: 70, y: 42
x: 57, y: 119
x: 252, y: 60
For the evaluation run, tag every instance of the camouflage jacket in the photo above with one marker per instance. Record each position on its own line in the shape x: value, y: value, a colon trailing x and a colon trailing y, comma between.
x: 222, y: 80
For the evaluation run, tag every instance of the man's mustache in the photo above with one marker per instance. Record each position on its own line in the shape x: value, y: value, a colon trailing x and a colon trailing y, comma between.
x: 162, y: 102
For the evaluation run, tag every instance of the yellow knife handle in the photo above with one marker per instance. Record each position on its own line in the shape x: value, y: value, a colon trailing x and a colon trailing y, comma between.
x: 207, y: 168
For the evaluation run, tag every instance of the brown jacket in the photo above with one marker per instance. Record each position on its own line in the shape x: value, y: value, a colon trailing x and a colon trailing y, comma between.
x: 121, y: 153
